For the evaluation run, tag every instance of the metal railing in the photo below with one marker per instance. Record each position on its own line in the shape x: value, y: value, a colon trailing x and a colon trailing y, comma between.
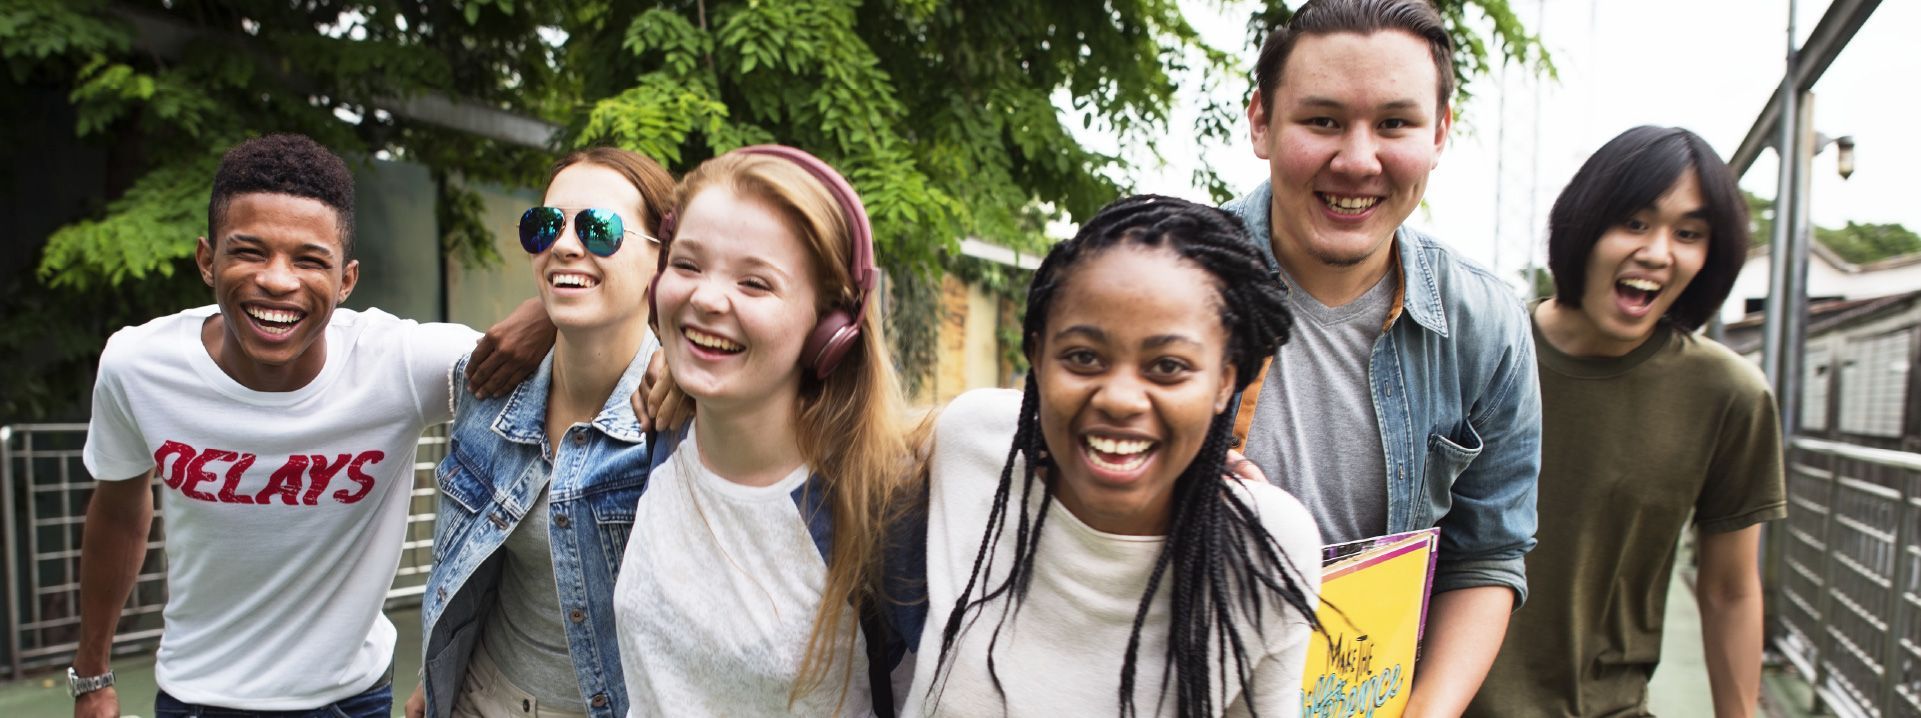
x: 43, y: 501
x: 1847, y: 577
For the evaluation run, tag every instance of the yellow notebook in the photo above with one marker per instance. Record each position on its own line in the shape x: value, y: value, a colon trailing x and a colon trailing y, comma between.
x: 1374, y: 608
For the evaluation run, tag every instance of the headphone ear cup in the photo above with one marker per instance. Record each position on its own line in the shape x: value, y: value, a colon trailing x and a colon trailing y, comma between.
x: 833, y: 337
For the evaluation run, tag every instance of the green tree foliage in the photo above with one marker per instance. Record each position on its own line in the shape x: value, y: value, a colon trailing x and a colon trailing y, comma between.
x: 162, y: 88
x: 1540, y: 282
x: 952, y: 119
x: 1854, y: 242
x: 1864, y: 243
x: 1760, y: 218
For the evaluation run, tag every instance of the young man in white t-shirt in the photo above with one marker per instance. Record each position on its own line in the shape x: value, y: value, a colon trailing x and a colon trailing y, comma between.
x: 283, y: 430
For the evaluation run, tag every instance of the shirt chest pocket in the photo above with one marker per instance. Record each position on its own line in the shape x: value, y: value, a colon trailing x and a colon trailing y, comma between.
x: 465, y: 491
x: 1449, y: 452
x: 612, y: 507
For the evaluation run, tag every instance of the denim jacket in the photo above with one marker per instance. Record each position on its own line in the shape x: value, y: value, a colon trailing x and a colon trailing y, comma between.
x: 493, y: 472
x: 1458, y: 401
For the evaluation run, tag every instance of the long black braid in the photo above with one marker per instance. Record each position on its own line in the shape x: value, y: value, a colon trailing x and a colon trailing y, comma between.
x: 1217, y: 557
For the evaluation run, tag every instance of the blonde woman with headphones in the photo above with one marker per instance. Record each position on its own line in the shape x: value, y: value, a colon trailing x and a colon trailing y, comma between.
x: 751, y: 584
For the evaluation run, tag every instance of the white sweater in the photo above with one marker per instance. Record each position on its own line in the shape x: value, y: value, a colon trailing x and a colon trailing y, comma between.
x: 1062, y: 654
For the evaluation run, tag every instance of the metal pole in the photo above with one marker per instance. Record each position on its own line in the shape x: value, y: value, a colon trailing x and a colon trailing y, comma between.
x: 1536, y: 235
x: 1824, y: 611
x: 10, y: 543
x: 1500, y: 164
x: 1891, y: 672
x: 1773, y: 538
x: 1794, y: 318
x: 1776, y: 306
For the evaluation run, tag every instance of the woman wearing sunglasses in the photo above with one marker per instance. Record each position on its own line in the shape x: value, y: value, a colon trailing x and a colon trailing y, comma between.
x: 538, y: 489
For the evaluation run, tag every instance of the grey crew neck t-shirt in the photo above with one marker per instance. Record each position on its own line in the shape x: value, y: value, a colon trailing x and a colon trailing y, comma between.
x: 1315, y: 431
x: 526, y: 634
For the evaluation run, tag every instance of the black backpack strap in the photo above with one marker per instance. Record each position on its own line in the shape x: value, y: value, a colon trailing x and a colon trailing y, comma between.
x: 898, y: 616
x: 891, y: 625
x: 880, y: 679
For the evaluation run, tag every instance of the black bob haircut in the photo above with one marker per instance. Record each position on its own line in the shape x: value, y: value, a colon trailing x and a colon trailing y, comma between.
x: 1626, y: 176
x: 1363, y: 17
x: 284, y: 164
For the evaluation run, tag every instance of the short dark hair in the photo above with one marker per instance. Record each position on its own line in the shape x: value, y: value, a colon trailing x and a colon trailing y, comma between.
x: 1365, y: 17
x: 284, y: 164
x: 1626, y: 176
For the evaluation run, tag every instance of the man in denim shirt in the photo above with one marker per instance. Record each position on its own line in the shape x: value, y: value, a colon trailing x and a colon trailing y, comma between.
x: 1407, y: 362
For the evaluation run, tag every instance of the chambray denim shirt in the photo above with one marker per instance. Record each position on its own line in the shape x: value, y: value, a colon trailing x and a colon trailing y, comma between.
x: 1458, y: 401
x: 491, y: 476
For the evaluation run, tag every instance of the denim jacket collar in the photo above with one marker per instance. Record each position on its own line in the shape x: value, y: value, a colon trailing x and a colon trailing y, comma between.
x: 523, y: 419
x: 1419, y: 289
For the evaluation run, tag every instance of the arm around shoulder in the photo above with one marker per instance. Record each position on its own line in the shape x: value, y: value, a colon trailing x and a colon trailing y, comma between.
x: 511, y: 350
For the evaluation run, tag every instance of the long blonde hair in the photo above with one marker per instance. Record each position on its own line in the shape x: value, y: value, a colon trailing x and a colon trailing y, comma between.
x: 852, y: 427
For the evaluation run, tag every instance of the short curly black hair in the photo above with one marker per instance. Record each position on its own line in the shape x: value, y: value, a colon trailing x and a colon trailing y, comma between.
x: 284, y: 164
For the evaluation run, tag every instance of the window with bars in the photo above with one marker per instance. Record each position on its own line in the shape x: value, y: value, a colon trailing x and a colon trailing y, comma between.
x: 1817, y: 371
x: 1874, y: 384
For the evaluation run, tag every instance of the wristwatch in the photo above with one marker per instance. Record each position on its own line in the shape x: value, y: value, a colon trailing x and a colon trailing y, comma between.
x: 78, y: 685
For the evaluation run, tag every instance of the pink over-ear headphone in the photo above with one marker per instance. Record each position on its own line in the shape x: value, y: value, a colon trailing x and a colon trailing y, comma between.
x: 838, y: 331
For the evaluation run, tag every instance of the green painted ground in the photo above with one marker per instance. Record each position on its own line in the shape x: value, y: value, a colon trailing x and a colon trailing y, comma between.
x: 1680, y: 683
x: 47, y: 697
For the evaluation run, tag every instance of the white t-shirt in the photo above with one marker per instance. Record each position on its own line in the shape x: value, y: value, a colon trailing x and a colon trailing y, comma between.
x: 716, y: 599
x: 1062, y: 654
x: 285, y: 511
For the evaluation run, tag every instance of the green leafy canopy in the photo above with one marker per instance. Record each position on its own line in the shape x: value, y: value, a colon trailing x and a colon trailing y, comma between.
x: 952, y: 119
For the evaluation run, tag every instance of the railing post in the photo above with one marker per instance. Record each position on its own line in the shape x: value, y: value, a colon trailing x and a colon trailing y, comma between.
x: 1897, y: 601
x: 1825, y: 606
x: 10, y: 542
x: 1774, y: 560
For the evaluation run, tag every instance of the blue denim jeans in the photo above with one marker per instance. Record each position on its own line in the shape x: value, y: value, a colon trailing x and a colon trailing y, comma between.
x: 377, y: 702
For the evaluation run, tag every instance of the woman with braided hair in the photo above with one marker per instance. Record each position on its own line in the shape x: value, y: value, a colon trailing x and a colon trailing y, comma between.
x: 1115, y: 568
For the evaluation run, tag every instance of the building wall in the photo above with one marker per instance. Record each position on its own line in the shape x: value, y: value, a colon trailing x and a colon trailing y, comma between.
x: 480, y: 296
x: 982, y: 348
x: 396, y: 240
x: 1859, y: 383
x: 969, y: 351
x: 1824, y: 280
x: 1863, y: 378
x: 402, y: 268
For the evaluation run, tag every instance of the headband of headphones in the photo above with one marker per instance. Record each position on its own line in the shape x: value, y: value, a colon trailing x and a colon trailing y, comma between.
x: 860, y: 231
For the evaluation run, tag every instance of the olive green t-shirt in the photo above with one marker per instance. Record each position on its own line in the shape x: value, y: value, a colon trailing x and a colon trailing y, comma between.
x: 1630, y: 447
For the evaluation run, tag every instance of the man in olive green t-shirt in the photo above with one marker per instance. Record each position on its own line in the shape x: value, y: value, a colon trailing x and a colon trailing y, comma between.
x: 1643, y: 425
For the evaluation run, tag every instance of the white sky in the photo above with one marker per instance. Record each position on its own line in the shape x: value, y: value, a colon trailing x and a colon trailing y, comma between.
x: 1707, y: 65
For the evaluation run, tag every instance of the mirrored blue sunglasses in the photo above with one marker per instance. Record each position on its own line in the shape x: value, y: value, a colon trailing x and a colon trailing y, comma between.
x: 600, y: 230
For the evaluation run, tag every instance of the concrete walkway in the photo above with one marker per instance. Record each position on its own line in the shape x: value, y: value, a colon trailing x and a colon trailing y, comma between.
x: 1680, y: 685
